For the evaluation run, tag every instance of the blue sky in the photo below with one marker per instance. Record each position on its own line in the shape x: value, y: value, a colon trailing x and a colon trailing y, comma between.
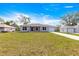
x: 48, y: 13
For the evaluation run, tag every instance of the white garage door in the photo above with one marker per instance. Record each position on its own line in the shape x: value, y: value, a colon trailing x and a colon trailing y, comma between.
x: 70, y: 30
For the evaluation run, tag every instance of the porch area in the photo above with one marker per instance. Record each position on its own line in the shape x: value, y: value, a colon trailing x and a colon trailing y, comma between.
x: 36, y: 29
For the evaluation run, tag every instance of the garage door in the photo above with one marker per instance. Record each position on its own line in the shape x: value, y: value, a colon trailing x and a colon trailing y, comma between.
x: 70, y: 30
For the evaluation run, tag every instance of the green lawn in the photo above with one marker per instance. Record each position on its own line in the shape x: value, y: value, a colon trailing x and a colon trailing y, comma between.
x: 76, y: 34
x: 36, y: 44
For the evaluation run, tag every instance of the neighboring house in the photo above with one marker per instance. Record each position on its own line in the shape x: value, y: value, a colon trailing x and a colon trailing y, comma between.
x: 6, y: 28
x: 36, y: 27
x: 70, y: 29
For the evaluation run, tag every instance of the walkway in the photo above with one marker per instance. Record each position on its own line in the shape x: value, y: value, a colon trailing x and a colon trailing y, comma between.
x: 67, y: 35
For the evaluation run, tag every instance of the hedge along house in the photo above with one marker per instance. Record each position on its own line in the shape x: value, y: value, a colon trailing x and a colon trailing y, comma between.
x: 70, y: 29
x: 6, y: 28
x: 36, y: 27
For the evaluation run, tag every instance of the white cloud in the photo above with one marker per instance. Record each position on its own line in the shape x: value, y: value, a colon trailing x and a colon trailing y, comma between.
x: 12, y: 16
x: 44, y: 19
x: 68, y: 6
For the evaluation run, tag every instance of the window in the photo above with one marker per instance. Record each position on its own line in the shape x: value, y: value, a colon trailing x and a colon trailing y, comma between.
x: 36, y: 28
x: 1, y: 27
x: 24, y: 28
x: 44, y: 28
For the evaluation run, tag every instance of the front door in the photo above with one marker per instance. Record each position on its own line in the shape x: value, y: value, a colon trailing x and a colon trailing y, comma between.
x: 37, y: 28
x: 34, y: 28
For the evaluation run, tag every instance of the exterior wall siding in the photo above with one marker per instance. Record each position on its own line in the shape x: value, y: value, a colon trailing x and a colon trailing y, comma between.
x: 6, y: 29
x: 1, y: 29
x: 68, y: 29
x: 77, y: 30
x: 21, y: 29
x: 48, y: 29
x: 41, y: 29
x: 51, y: 29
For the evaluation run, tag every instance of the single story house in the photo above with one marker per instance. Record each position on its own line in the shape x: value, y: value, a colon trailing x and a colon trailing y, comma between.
x: 36, y: 27
x: 6, y: 28
x: 70, y: 29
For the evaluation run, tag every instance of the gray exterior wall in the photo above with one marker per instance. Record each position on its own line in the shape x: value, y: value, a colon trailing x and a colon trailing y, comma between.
x: 48, y: 29
x: 77, y: 29
x: 1, y: 29
x: 70, y: 29
x: 21, y: 29
x: 7, y: 29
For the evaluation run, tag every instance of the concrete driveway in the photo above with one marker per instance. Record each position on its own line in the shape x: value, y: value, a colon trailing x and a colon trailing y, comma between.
x: 67, y: 35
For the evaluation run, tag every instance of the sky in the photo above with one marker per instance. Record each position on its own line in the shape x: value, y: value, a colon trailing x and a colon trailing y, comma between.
x: 46, y: 13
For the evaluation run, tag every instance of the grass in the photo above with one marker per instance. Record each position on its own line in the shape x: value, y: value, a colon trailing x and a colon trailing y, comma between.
x: 76, y: 34
x: 37, y: 44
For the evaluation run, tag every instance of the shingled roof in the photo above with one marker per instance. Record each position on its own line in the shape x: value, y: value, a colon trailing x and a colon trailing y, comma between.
x: 37, y: 24
x: 7, y: 26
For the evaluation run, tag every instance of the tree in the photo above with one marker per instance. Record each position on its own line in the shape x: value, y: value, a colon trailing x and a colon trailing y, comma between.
x: 9, y: 22
x: 23, y: 19
x: 15, y: 25
x: 70, y: 19
x: 57, y: 28
x: 12, y: 23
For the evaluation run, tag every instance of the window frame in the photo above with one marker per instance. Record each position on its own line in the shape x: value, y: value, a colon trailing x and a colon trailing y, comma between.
x: 24, y: 28
x: 43, y: 28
